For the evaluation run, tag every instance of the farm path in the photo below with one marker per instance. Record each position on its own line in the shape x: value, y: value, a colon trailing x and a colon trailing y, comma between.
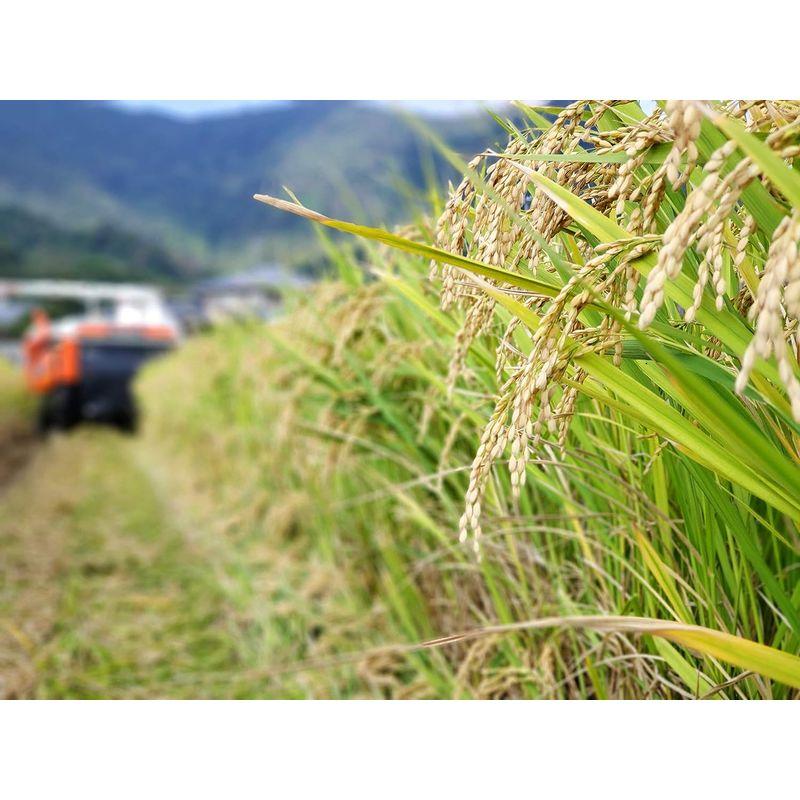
x: 102, y: 594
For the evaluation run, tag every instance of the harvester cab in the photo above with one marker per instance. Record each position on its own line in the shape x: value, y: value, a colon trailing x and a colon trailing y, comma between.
x: 82, y: 366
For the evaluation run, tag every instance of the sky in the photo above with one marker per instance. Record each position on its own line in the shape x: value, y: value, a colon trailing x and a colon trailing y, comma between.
x: 205, y: 108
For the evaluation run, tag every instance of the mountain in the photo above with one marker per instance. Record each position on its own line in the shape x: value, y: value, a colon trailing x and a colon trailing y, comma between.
x: 34, y: 247
x: 186, y: 185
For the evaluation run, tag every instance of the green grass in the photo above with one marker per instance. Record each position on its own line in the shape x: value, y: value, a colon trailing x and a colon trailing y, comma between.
x: 16, y: 403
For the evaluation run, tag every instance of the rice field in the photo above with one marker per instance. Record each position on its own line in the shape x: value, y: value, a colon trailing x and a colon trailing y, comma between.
x: 575, y: 445
x: 540, y: 443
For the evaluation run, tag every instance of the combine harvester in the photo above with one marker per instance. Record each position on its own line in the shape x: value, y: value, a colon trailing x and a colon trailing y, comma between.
x: 82, y: 366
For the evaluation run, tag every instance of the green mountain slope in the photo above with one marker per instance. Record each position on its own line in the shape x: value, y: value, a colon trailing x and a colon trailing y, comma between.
x: 187, y: 184
x: 34, y: 247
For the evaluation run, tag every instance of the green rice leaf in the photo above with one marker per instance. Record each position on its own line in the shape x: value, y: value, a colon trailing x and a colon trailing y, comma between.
x: 744, y: 653
x: 782, y: 176
x: 417, y: 248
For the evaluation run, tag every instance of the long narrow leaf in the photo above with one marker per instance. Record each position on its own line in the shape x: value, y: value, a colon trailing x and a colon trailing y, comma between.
x: 744, y: 653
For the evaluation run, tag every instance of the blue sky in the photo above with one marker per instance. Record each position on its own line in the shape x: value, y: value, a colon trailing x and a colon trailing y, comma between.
x: 204, y: 108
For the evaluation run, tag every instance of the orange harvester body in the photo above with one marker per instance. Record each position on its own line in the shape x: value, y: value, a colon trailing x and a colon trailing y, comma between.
x: 53, y: 359
x: 83, y: 367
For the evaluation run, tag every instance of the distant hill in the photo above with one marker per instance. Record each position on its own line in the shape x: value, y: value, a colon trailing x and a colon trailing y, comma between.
x: 34, y: 247
x: 185, y: 185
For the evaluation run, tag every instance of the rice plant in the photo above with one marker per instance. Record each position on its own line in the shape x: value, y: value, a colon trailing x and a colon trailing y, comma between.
x: 576, y: 474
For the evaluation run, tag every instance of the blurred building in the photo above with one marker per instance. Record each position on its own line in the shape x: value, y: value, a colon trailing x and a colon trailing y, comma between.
x: 255, y: 293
